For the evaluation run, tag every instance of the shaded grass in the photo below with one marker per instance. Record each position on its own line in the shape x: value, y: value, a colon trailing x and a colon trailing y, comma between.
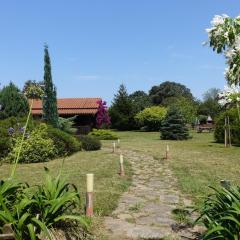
x: 197, y: 162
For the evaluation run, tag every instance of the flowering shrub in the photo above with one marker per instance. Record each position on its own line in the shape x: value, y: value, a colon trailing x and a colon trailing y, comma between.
x: 224, y: 37
x: 38, y: 147
x: 103, y: 134
x: 10, y: 129
x: 229, y: 97
x: 103, y: 119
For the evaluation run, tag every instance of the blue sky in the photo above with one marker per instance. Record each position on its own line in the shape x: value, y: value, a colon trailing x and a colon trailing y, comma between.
x: 96, y: 45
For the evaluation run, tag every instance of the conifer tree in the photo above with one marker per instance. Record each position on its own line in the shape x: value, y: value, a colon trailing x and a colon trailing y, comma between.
x: 121, y: 111
x: 13, y: 103
x: 50, y: 111
x: 174, y: 127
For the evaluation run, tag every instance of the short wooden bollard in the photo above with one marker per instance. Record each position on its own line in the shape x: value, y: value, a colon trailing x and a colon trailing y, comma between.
x: 167, y: 152
x: 225, y: 184
x: 89, y: 195
x: 7, y: 233
x: 122, y: 172
x: 114, y: 147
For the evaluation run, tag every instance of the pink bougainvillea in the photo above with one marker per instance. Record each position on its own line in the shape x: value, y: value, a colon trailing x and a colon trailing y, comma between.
x: 103, y: 119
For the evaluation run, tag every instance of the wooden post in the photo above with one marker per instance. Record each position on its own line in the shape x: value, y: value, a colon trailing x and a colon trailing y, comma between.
x: 225, y: 184
x: 122, y: 173
x: 114, y: 147
x: 89, y: 195
x: 7, y: 233
x: 167, y: 152
x: 229, y: 132
x: 225, y: 132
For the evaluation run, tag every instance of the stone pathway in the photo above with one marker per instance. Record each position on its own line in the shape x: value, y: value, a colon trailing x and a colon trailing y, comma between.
x: 146, y: 210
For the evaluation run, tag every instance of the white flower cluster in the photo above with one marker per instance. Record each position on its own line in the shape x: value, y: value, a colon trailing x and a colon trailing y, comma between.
x: 230, y: 94
x: 217, y: 25
x: 224, y: 37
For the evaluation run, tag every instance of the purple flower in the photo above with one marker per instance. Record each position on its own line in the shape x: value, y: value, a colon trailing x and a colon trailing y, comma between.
x: 103, y: 118
x: 21, y: 130
x: 11, y: 131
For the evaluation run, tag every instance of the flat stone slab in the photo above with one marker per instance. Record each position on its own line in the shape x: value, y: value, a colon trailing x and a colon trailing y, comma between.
x: 145, y: 211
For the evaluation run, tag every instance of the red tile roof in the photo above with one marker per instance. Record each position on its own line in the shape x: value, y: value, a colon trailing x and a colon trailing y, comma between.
x: 70, y: 106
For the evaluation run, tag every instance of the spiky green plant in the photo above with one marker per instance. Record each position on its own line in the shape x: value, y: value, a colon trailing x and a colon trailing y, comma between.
x: 56, y: 200
x: 220, y: 214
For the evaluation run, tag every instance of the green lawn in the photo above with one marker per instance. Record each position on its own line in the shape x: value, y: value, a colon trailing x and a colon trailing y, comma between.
x: 197, y: 163
x: 108, y: 184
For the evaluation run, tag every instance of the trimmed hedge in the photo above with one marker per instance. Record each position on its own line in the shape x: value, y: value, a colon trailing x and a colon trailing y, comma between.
x: 234, y: 125
x: 103, y: 134
x: 64, y: 143
x: 90, y: 143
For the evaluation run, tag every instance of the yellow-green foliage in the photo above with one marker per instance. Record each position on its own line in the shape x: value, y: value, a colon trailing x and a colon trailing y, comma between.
x: 151, y: 117
x: 37, y: 147
x: 103, y: 134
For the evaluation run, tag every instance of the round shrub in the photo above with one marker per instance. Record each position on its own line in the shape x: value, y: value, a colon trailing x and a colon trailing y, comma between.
x: 37, y: 147
x: 90, y: 143
x: 64, y: 143
x: 10, y: 129
x: 151, y: 118
x: 234, y: 125
x: 103, y: 134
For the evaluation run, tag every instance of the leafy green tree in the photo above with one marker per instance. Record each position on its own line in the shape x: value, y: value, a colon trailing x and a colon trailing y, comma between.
x: 122, y: 111
x: 12, y: 102
x: 210, y: 105
x: 50, y: 111
x: 187, y: 107
x: 174, y: 127
x: 169, y: 89
x: 151, y: 118
x: 140, y: 100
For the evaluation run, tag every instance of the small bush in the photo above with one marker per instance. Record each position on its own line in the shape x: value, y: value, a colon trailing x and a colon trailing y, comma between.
x: 90, y: 143
x: 64, y: 143
x: 234, y: 125
x: 174, y: 127
x: 67, y: 125
x: 37, y: 147
x: 103, y: 134
x: 151, y: 118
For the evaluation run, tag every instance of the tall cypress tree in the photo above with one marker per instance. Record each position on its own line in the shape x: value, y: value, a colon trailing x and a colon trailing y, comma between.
x: 50, y: 111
